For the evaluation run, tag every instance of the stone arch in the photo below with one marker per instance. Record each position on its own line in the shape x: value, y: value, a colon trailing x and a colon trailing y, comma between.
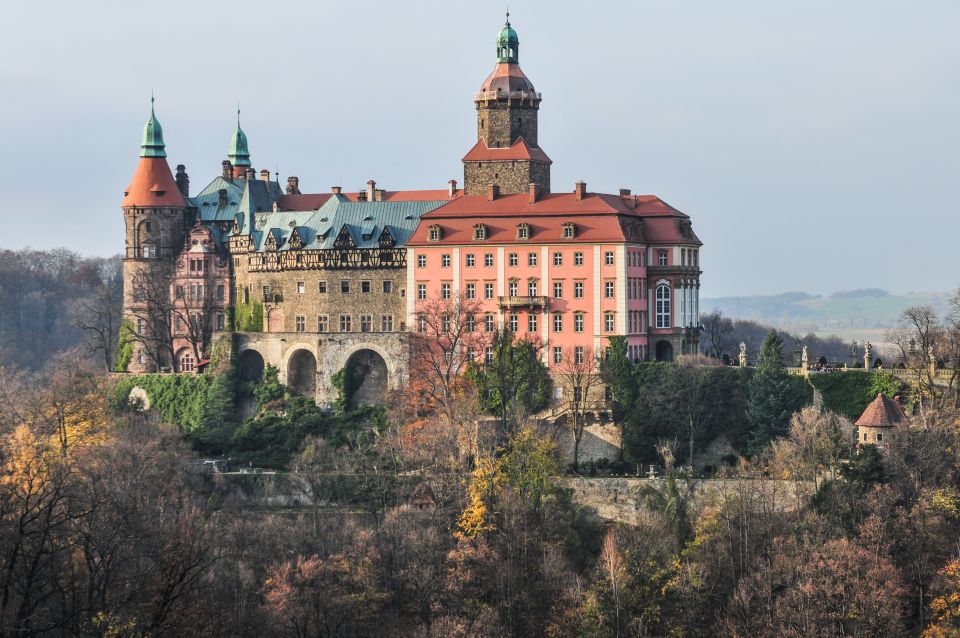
x: 367, y: 377
x: 250, y: 365
x: 302, y: 372
x: 664, y: 350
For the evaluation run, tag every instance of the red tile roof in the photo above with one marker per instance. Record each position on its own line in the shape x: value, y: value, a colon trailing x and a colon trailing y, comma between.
x: 153, y: 185
x: 597, y: 217
x: 883, y: 412
x: 520, y: 150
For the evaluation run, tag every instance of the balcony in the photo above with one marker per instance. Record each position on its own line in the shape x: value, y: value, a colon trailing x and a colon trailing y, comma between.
x: 523, y: 302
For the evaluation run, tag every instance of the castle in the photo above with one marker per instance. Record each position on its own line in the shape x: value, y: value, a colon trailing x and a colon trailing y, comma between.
x: 314, y: 282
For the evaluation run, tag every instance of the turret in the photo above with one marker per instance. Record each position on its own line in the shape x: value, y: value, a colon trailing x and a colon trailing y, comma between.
x: 507, y: 152
x: 155, y: 212
x: 239, y: 152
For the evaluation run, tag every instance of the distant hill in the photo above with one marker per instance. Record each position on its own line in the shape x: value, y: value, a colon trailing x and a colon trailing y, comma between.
x: 868, y: 312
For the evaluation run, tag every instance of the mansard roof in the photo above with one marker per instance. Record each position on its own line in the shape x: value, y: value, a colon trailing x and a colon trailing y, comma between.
x: 363, y: 222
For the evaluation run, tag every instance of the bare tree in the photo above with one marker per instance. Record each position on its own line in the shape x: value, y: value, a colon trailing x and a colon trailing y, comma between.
x: 718, y: 331
x: 99, y: 316
x: 193, y: 311
x: 923, y: 342
x: 446, y: 339
x: 152, y: 314
x: 579, y: 376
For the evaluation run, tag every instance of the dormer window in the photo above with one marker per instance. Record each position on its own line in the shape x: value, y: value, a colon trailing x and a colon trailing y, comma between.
x: 569, y: 230
x: 523, y: 231
x: 479, y: 232
x: 433, y: 233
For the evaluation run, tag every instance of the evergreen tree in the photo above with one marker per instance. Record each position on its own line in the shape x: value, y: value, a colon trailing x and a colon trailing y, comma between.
x: 515, y: 382
x: 616, y: 372
x: 771, y: 397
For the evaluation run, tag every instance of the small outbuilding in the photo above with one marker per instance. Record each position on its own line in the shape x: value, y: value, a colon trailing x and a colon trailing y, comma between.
x: 880, y: 422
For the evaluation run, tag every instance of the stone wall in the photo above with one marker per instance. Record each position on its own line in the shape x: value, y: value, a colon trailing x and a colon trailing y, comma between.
x: 500, y: 123
x: 618, y: 499
x: 513, y: 176
x: 313, y: 304
x: 599, y: 441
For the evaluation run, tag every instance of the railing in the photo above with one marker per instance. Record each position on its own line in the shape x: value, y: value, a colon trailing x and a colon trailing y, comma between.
x: 494, y: 95
x: 520, y: 302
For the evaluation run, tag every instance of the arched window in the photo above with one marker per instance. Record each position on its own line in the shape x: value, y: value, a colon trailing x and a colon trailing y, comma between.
x: 663, y: 306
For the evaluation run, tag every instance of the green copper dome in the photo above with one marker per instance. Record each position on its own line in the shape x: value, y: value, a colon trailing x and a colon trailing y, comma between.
x: 239, y: 153
x: 508, y: 44
x: 152, y: 144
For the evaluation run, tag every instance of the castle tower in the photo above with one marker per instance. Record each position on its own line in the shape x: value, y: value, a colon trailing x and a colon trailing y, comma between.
x: 507, y: 153
x: 155, y: 214
x: 239, y: 153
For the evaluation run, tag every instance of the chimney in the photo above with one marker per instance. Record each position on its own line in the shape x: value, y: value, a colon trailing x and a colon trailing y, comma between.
x: 534, y: 191
x: 493, y: 192
x: 371, y: 188
x: 222, y: 197
x: 378, y: 194
x: 624, y: 192
x: 579, y: 190
x: 293, y: 185
x: 452, y: 190
x: 227, y: 170
x: 336, y: 190
x: 251, y: 174
x: 265, y: 174
x: 183, y: 180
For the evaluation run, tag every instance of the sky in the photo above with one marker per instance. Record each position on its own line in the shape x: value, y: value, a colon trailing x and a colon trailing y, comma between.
x: 814, y: 143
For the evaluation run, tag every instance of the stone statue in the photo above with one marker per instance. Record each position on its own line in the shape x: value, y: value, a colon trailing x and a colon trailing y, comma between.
x: 866, y: 355
x: 804, y: 356
x: 743, y: 355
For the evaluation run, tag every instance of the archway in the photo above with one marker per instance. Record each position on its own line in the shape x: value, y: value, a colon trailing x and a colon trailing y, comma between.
x: 366, y: 378
x: 251, y: 365
x: 302, y: 373
x: 664, y: 351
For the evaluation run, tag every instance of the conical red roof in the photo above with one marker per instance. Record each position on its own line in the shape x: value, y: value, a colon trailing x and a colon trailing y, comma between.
x: 153, y: 185
x: 883, y: 412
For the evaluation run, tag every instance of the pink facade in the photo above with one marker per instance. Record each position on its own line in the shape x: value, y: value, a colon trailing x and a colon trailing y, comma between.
x: 568, y: 270
x: 200, y: 294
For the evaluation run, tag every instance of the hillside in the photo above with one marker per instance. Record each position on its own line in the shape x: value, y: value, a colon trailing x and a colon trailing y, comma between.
x: 854, y: 314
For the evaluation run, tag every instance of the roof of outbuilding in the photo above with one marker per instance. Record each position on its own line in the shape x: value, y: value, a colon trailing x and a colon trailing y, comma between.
x: 882, y: 412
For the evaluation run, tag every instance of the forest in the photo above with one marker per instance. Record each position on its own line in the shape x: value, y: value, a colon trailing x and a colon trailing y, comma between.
x: 421, y: 523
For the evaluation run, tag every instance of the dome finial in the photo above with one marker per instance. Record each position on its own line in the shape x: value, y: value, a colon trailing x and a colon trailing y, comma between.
x: 239, y: 152
x: 508, y: 43
x: 152, y: 144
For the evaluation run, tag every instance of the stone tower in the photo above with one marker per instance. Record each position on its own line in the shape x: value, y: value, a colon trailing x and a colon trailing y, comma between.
x: 507, y: 153
x: 155, y: 214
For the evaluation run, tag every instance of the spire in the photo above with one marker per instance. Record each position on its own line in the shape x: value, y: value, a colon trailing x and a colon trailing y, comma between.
x: 239, y: 153
x: 152, y: 144
x: 508, y: 44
